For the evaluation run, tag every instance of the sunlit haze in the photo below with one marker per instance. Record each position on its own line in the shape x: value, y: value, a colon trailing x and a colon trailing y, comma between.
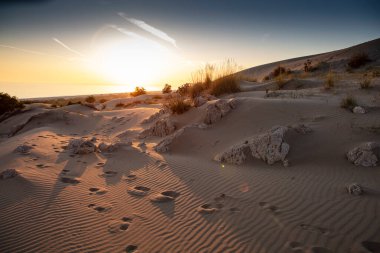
x: 56, y: 48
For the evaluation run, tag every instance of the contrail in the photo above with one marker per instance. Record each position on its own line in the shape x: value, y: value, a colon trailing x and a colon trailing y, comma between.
x: 156, y: 32
x: 67, y: 47
x: 31, y: 51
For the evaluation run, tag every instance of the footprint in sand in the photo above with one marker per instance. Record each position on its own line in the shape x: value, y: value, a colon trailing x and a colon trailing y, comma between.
x: 296, y: 247
x: 70, y: 180
x: 267, y: 206
x: 139, y: 190
x: 131, y: 177
x: 98, y: 191
x: 318, y: 249
x: 166, y: 196
x: 108, y: 173
x: 210, y: 208
x: 314, y: 229
x: 371, y: 246
x: 131, y: 248
x: 100, y: 208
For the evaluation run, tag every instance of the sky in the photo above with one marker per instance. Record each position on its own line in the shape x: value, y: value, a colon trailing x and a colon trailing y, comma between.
x: 72, y: 47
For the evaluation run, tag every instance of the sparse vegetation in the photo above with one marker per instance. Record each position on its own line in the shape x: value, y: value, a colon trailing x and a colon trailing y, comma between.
x: 279, y: 70
x: 348, y: 102
x: 330, y: 80
x: 177, y: 105
x: 167, y: 89
x: 358, y: 60
x: 183, y: 90
x: 103, y: 100
x: 9, y: 103
x: 138, y: 91
x: 365, y: 82
x: 119, y: 105
x: 196, y: 89
x: 90, y: 99
x: 225, y: 85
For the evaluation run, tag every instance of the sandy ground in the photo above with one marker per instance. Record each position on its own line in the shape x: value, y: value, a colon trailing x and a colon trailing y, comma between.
x: 107, y: 201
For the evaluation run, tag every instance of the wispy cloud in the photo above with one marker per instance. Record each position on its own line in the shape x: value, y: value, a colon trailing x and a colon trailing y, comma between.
x: 68, y: 48
x: 156, y: 32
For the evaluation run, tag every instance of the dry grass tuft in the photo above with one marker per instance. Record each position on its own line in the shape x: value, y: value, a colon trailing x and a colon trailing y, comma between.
x: 177, y: 105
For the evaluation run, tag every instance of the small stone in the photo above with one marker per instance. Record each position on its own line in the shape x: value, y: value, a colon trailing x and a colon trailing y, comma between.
x: 358, y: 110
x: 355, y: 189
x: 8, y: 173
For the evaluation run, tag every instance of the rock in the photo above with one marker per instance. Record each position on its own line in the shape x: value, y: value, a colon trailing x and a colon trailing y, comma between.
x: 8, y: 173
x: 358, y: 109
x: 199, y: 101
x: 161, y: 128
x: 355, y: 189
x: 82, y: 146
x: 269, y: 147
x: 109, y: 148
x: 23, y: 149
x: 218, y: 109
x: 154, y: 117
x: 234, y: 155
x: 365, y: 155
x: 93, y: 139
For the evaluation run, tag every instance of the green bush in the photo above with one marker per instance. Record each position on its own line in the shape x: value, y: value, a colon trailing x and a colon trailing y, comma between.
x: 8, y: 103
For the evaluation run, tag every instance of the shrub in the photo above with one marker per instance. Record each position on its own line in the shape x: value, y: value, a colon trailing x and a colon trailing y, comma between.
x: 119, y: 105
x: 280, y: 81
x: 348, y: 102
x: 224, y: 85
x: 90, y: 99
x: 277, y: 71
x: 177, y: 105
x: 167, y: 89
x: 358, y: 60
x: 184, y: 89
x: 8, y: 103
x: 103, y: 100
x: 365, y: 82
x: 330, y: 80
x: 196, y: 89
x: 138, y: 91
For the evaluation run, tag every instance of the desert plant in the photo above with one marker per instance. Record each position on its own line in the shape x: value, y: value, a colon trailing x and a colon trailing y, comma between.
x: 196, y: 89
x: 9, y: 103
x: 348, y: 102
x: 280, y: 81
x: 365, y: 82
x: 90, y: 99
x: 358, y: 60
x: 138, y: 91
x: 119, y: 105
x: 307, y: 66
x: 167, y: 89
x: 225, y: 85
x: 330, y: 80
x: 183, y: 90
x: 103, y: 100
x: 177, y: 105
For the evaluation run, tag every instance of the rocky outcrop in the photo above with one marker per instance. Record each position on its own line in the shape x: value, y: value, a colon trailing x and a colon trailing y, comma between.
x: 109, y: 148
x: 154, y: 117
x: 164, y: 145
x: 269, y: 147
x: 218, y: 109
x: 161, y: 128
x: 82, y: 146
x: 358, y: 110
x: 8, y: 173
x: 199, y: 101
x: 23, y: 149
x: 366, y: 155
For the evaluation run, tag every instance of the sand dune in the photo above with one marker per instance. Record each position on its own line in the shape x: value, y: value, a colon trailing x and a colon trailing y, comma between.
x: 131, y: 198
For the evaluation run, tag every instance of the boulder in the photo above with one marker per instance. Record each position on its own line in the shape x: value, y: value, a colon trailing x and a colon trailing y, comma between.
x: 199, y: 101
x: 160, y: 128
x: 269, y: 147
x: 23, y: 149
x: 358, y: 110
x: 154, y: 117
x: 366, y: 155
x: 8, y: 173
x: 82, y: 146
x: 218, y: 109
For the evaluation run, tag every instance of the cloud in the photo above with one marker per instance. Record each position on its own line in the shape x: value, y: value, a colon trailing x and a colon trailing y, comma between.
x: 67, y: 47
x: 156, y: 32
x: 31, y: 51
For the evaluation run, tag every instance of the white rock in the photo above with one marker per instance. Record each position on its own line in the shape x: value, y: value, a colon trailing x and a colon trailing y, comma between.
x: 199, y: 101
x: 365, y: 154
x: 218, y: 109
x: 8, y: 173
x: 358, y: 109
x: 269, y: 147
x: 82, y: 146
x: 161, y: 128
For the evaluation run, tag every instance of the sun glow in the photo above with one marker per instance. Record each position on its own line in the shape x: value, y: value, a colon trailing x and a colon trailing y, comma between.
x: 132, y: 62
